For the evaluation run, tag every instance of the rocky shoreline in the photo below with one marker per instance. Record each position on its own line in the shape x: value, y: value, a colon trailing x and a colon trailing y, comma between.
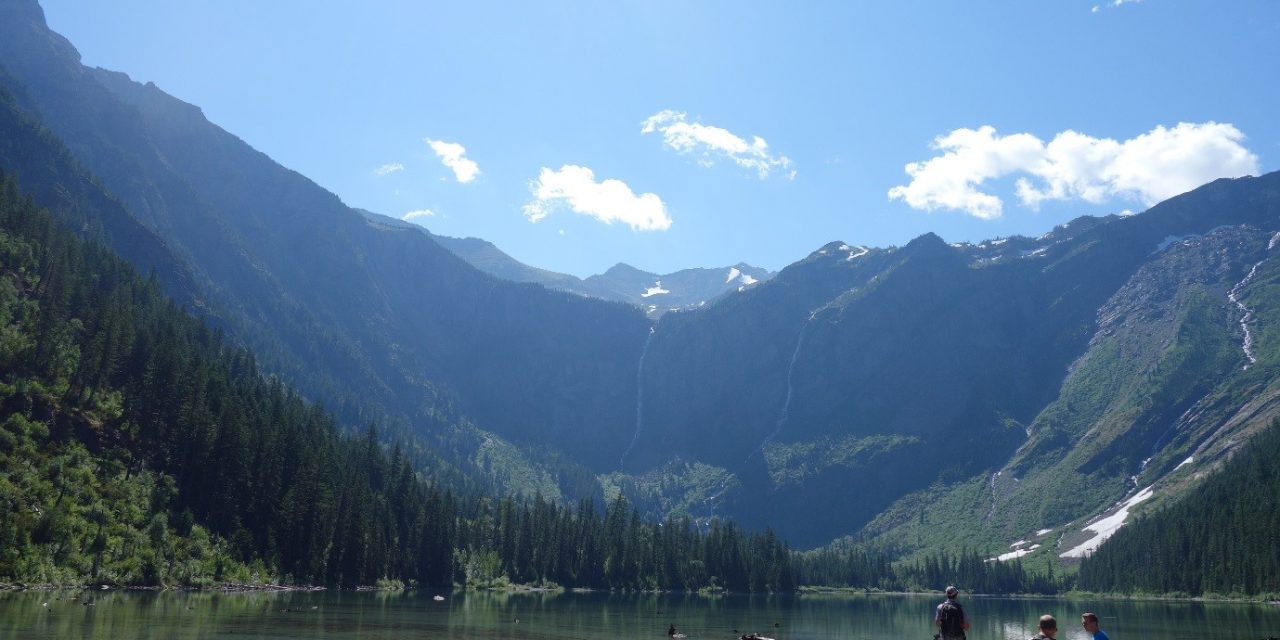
x: 225, y: 587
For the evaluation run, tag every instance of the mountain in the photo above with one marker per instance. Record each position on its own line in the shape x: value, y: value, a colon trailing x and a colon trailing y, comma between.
x: 1179, y: 370
x: 137, y: 448
x: 54, y: 177
x: 655, y: 294
x: 680, y: 290
x: 360, y: 315
x: 844, y: 393
x: 1031, y: 392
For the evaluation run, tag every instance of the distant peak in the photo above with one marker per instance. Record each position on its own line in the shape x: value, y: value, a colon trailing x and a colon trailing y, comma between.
x: 928, y: 239
x: 622, y: 269
x: 929, y: 246
x: 828, y: 249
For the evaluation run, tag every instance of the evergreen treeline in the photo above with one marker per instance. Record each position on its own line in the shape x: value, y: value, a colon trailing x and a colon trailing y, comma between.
x: 967, y: 570
x: 1224, y: 538
x: 137, y: 447
x: 538, y: 542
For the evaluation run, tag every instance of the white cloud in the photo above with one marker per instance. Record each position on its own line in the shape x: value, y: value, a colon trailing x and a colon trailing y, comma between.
x: 1114, y: 3
x: 971, y: 157
x: 686, y: 137
x: 453, y: 155
x: 607, y: 201
x: 1148, y: 168
x: 418, y: 214
x: 390, y: 167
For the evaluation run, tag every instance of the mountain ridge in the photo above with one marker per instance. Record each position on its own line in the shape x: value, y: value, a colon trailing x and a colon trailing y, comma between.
x: 620, y: 283
x: 832, y: 399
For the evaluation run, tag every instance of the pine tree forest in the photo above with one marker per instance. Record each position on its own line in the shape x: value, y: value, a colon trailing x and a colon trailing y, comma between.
x: 140, y: 448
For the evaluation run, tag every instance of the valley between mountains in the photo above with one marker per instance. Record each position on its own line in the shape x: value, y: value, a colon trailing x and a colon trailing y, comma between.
x: 1022, y: 398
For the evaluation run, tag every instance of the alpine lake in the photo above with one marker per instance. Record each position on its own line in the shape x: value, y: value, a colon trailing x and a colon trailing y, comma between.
x: 334, y: 615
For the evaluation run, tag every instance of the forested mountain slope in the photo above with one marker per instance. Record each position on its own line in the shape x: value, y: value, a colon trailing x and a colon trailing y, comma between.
x: 55, y: 178
x: 1223, y: 538
x: 138, y: 448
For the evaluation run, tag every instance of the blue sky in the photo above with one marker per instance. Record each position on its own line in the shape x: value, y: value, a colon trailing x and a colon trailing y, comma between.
x: 680, y: 134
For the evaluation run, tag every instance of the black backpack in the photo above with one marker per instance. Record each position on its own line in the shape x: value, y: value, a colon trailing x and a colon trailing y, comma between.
x: 952, y: 618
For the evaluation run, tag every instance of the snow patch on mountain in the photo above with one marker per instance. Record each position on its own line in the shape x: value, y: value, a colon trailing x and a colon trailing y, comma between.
x: 745, y: 279
x: 655, y: 290
x: 1168, y: 240
x: 861, y: 251
x: 1105, y: 527
x: 1171, y: 240
x: 1013, y: 555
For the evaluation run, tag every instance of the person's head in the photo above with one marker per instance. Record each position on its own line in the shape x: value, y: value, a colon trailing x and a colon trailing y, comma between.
x: 1090, y: 622
x: 1048, y: 626
x: 952, y: 592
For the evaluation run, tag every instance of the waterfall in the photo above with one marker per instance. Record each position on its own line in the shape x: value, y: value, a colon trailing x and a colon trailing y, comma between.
x: 995, y: 497
x: 644, y: 351
x: 1234, y: 297
x: 786, y: 404
x: 713, y: 501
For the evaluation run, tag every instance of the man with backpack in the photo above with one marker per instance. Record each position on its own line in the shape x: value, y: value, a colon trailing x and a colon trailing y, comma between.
x: 1048, y: 628
x: 950, y: 617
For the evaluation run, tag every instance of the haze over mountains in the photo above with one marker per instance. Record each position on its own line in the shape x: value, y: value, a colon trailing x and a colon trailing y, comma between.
x: 1004, y: 389
x: 684, y: 289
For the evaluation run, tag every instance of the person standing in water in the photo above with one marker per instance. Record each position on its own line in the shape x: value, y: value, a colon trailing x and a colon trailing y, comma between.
x: 950, y: 617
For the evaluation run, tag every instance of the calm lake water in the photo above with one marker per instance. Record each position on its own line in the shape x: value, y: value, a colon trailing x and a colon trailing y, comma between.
x: 335, y: 615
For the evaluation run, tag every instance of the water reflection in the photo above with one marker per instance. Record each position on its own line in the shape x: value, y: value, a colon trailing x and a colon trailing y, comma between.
x: 566, y: 616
